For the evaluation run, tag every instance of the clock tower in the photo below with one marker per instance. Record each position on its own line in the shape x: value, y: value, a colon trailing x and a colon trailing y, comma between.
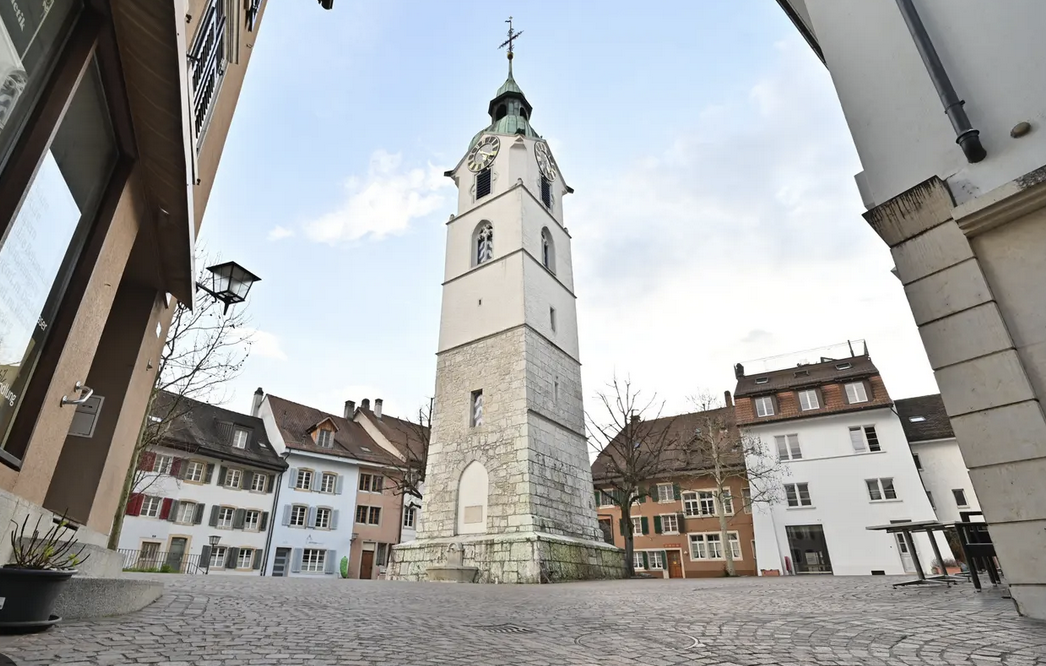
x: 508, y: 485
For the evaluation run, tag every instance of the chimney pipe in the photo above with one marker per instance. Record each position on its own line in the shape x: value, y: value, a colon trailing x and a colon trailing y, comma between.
x: 728, y: 398
x: 377, y: 407
x: 256, y: 402
x: 350, y: 409
x: 365, y: 404
x: 739, y: 371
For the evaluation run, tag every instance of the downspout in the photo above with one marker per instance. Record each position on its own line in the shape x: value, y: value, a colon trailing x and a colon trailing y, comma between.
x: 966, y: 136
x: 272, y: 517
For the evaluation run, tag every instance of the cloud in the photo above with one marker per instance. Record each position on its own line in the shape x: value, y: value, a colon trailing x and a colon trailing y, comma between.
x: 279, y: 233
x: 264, y: 344
x: 383, y: 203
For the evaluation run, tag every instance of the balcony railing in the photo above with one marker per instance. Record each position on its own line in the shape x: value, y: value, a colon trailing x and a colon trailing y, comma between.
x: 159, y: 561
x: 207, y: 64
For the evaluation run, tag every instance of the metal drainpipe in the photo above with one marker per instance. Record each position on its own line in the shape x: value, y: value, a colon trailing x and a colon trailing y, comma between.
x: 967, y: 137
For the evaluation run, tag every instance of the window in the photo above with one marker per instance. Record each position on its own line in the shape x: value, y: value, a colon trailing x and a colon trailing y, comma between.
x: 244, y: 558
x: 186, y: 513
x: 552, y: 318
x: 881, y: 489
x: 918, y: 463
x: 691, y: 507
x: 162, y: 464
x: 735, y: 545
x: 381, y: 554
x: 605, y: 499
x: 299, y: 515
x: 798, y: 494
x: 960, y: 498
x: 864, y: 438
x: 368, y: 515
x: 304, y: 481
x: 669, y: 523
x: 151, y: 507
x: 323, y: 518
x: 709, y: 546
x: 476, y: 417
x: 637, y: 525
x: 666, y: 492
x: 260, y: 483
x: 873, y: 438
x: 856, y: 392
x: 655, y: 559
x: 410, y: 515
x: 194, y: 472
x: 371, y: 483
x: 328, y: 482
x: 483, y: 243
x: 548, y: 251
x: 706, y: 503
x: 207, y: 65
x: 325, y: 439
x: 929, y: 496
x: 637, y: 560
x: 239, y: 440
x: 251, y: 520
x: 728, y: 502
x: 313, y: 560
x: 483, y: 183
x: 218, y: 557
x: 843, y: 366
x: 916, y: 419
x: 762, y: 380
x: 764, y: 406
x: 746, y: 497
x: 233, y: 478
x: 808, y: 400
x: 225, y: 515
x: 788, y: 447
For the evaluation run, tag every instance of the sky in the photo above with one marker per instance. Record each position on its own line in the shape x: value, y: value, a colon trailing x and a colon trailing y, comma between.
x: 715, y: 217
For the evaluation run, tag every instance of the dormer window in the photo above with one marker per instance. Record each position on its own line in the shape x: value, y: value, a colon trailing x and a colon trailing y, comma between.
x: 843, y: 366
x: 764, y: 406
x: 916, y: 419
x: 325, y: 439
x: 240, y: 437
x: 802, y: 373
x: 762, y: 380
x: 856, y: 392
x: 483, y: 183
x: 808, y: 400
x: 546, y: 192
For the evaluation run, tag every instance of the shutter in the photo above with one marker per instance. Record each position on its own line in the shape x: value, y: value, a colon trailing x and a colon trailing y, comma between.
x: 292, y: 474
x: 642, y: 494
x: 146, y: 461
x: 172, y: 513
x: 134, y: 504
x: 334, y: 519
x: 213, y: 522
x: 296, y: 561
x: 230, y: 557
x: 657, y: 524
x: 597, y: 499
x: 176, y: 468
x: 664, y: 559
x: 248, y: 480
x: 677, y: 490
x: 198, y: 519
x: 317, y: 480
x: 165, y: 508
x: 646, y: 560
x: 205, y: 556
x: 263, y: 521
x: 287, y: 514
x: 311, y: 520
x: 222, y: 472
x: 237, y: 519
x: 331, y: 561
x: 208, y: 473
x: 271, y: 484
x: 337, y: 488
x: 257, y: 559
x: 645, y: 525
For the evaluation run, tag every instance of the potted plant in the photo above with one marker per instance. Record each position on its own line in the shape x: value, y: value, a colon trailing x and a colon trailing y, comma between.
x: 30, y: 583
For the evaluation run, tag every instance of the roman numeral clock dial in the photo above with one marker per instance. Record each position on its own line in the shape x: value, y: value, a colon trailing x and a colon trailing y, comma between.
x: 546, y: 163
x: 482, y: 156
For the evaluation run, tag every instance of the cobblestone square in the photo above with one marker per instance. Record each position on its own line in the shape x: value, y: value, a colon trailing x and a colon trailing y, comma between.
x: 218, y: 621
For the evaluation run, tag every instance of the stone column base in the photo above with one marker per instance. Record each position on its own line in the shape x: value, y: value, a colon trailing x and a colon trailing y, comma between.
x: 525, y: 557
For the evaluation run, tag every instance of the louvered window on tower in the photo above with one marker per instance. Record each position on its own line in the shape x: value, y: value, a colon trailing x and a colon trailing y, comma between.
x: 546, y: 192
x: 483, y: 183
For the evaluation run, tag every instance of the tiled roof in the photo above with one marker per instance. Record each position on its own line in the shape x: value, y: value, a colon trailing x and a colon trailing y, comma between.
x: 296, y: 421
x: 931, y: 421
x: 402, y: 434
x: 199, y: 427
x: 812, y: 374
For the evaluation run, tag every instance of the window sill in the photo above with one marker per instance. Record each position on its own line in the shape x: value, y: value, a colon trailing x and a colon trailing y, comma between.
x: 886, y: 501
x: 800, y: 508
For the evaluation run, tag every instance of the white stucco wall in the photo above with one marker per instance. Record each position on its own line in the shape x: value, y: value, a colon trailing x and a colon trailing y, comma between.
x: 841, y: 505
x: 944, y: 470
x: 903, y: 137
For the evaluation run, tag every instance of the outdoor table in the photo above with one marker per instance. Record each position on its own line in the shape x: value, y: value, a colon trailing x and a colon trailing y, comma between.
x: 906, y: 529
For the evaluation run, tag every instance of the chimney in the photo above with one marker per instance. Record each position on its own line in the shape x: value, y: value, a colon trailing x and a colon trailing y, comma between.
x: 729, y: 400
x: 365, y: 405
x: 634, y: 418
x: 350, y: 409
x: 377, y: 407
x: 739, y: 371
x: 259, y: 395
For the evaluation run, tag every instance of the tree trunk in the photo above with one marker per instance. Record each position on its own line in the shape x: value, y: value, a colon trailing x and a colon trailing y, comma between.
x: 728, y: 553
x: 626, y: 523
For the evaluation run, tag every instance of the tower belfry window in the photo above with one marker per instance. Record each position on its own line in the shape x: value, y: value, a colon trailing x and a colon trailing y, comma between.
x: 546, y: 192
x: 501, y: 112
x: 484, y: 243
x: 483, y: 183
x: 548, y: 251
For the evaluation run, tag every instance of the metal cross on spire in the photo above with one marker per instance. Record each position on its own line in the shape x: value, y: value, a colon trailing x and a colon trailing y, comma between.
x: 509, y: 43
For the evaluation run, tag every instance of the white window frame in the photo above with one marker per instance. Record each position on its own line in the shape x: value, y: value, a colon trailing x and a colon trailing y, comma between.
x: 861, y: 443
x: 792, y: 449
x: 708, y: 546
x: 325, y: 438
x: 240, y: 437
x: 746, y: 499
x: 225, y: 524
x: 304, y: 513
x: 151, y: 507
x: 195, y: 471
x: 605, y: 499
x: 966, y: 500
x: 728, y: 502
x: 706, y: 505
x: 304, y: 480
x: 218, y: 555
x: 326, y: 513
x: 264, y: 483
x: 313, y: 560
x: 666, y: 496
x: 637, y: 525
x: 331, y: 487
x: 249, y: 552
x: 183, y: 508
x: 797, y: 493
x: 637, y: 560
x: 691, y: 504
x: 410, y: 516
x: 881, y: 489
x: 812, y: 401
x: 655, y: 560
x: 233, y: 478
x: 248, y: 523
x: 162, y: 463
x: 856, y: 393
x: 675, y: 523
x: 764, y: 406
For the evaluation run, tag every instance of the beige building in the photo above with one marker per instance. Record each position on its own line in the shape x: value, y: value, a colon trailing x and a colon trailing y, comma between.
x: 113, y: 116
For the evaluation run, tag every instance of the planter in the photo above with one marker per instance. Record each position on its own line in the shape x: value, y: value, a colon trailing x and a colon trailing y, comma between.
x: 28, y: 597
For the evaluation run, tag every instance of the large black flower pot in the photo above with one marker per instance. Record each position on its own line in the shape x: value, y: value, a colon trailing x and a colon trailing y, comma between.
x: 27, y: 598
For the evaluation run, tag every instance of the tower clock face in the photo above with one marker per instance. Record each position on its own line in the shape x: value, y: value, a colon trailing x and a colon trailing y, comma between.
x: 546, y: 163
x: 483, y: 154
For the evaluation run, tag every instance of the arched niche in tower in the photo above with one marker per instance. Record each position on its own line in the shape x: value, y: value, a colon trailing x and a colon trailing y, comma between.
x: 482, y: 242
x: 473, y: 488
x: 548, y: 250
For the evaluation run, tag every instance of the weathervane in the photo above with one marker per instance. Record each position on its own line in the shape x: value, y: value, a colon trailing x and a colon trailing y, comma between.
x: 508, y: 42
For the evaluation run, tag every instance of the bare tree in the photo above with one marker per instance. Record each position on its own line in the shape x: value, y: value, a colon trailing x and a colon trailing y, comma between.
x: 205, y: 349
x: 634, y: 445
x: 731, y: 458
x: 414, y: 447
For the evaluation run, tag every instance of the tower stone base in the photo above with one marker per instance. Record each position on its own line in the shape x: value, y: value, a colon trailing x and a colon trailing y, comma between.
x: 522, y: 557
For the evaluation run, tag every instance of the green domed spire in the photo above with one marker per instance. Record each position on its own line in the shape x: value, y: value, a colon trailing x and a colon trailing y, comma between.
x: 509, y: 110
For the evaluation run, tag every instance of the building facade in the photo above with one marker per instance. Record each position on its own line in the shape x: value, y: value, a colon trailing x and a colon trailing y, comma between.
x: 949, y: 133
x: 508, y: 473
x: 110, y: 136
x: 215, y: 474
x: 846, y: 466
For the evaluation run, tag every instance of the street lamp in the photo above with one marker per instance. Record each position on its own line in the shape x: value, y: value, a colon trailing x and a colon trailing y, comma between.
x: 230, y: 283
x: 213, y: 539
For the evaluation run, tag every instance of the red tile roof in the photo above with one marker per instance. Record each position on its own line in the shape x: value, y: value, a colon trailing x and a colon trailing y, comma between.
x: 296, y: 421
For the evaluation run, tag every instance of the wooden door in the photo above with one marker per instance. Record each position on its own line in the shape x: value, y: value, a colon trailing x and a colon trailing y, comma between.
x: 675, y: 564
x: 367, y: 564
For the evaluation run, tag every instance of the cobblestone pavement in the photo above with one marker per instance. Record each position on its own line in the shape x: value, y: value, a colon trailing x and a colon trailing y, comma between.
x: 224, y: 621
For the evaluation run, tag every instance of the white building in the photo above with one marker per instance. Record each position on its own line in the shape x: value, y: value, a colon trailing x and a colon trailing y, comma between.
x: 937, y: 456
x: 215, y: 475
x: 948, y: 125
x: 845, y: 464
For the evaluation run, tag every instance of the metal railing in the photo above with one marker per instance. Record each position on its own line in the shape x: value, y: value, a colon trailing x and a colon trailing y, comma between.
x: 159, y: 561
x: 207, y: 63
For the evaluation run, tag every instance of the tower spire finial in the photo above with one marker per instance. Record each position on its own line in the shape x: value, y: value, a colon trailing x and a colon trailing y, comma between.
x: 509, y: 43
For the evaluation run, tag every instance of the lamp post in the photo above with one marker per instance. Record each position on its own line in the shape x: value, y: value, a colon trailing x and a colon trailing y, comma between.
x: 229, y: 283
x: 213, y: 539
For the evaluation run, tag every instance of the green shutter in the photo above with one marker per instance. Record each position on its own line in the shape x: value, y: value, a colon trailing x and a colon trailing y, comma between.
x: 642, y: 494
x: 645, y: 525
x: 657, y: 524
x: 646, y: 562
x: 664, y: 560
x: 677, y: 491
x: 597, y: 499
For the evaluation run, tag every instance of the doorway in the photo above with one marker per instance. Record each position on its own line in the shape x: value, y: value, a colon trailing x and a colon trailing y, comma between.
x: 176, y: 553
x: 675, y: 564
x: 906, y: 554
x: 809, y: 549
x: 367, y: 564
x: 279, y: 562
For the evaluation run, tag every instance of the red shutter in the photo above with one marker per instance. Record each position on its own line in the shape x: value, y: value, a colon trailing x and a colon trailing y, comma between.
x: 176, y: 468
x: 165, y: 508
x: 134, y: 504
x: 146, y: 461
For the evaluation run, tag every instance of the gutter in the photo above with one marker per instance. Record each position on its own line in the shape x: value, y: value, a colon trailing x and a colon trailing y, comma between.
x: 272, y: 517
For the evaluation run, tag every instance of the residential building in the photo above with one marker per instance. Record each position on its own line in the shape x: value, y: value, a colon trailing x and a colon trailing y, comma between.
x: 828, y: 418
x: 937, y: 456
x: 338, y: 498
x: 213, y: 474
x: 112, y: 123
x: 676, y: 530
x: 949, y: 131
